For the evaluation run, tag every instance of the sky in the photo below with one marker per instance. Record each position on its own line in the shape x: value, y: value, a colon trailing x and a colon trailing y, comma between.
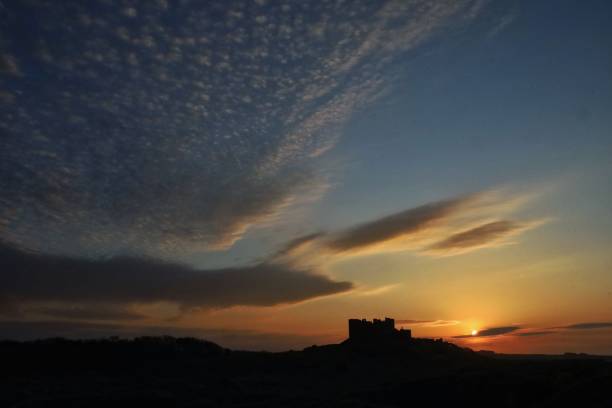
x: 257, y: 172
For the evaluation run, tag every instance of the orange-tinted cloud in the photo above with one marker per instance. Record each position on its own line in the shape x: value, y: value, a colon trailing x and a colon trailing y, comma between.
x: 428, y: 323
x: 392, y: 226
x: 588, y: 326
x: 485, y: 235
x: 441, y: 228
x: 492, y: 331
x: 534, y: 333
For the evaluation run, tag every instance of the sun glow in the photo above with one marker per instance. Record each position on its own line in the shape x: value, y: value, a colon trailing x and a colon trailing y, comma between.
x: 474, y: 332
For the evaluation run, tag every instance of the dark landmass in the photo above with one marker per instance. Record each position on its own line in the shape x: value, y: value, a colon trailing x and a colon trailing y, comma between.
x: 187, y: 372
x: 564, y: 356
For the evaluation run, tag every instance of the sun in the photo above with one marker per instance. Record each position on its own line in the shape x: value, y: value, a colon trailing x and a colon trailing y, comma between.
x: 474, y: 332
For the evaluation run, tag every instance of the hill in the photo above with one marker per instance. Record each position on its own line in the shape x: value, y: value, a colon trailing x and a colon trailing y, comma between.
x: 186, y: 372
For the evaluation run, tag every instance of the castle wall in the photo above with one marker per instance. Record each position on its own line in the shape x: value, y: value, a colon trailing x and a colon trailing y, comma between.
x: 364, y: 330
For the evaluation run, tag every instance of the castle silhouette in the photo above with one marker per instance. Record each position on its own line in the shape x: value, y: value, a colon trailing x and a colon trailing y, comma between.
x: 376, y: 331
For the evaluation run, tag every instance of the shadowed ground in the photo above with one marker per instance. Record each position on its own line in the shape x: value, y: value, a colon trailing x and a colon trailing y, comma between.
x: 185, y: 372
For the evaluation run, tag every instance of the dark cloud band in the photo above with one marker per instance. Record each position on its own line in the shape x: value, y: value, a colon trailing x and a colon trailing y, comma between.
x: 478, y: 236
x: 403, y: 223
x: 27, y: 277
x: 87, y: 312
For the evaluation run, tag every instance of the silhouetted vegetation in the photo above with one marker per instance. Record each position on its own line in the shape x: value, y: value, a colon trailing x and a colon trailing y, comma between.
x: 187, y: 372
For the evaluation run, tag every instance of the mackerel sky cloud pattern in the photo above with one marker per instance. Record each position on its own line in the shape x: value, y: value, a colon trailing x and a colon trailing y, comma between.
x: 158, y: 126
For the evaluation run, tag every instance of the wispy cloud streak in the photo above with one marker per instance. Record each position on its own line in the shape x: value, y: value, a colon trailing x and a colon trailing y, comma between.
x: 404, y: 223
x: 587, y: 326
x: 486, y: 235
x: 490, y: 332
x: 434, y: 229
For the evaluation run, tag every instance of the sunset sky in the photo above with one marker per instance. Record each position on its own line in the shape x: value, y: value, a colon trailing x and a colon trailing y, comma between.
x: 257, y: 172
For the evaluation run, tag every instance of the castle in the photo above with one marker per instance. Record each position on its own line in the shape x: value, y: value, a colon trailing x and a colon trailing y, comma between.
x: 362, y: 330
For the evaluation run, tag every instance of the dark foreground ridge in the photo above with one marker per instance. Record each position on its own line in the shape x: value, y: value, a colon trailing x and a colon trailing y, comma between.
x: 390, y: 370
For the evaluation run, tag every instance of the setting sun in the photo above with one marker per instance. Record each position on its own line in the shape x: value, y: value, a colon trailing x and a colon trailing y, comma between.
x: 474, y: 332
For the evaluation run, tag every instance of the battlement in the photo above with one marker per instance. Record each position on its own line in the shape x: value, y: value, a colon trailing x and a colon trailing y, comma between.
x: 376, y: 330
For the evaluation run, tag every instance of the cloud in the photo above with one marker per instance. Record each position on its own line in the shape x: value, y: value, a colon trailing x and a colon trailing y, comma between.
x: 411, y: 321
x: 30, y: 277
x: 428, y: 323
x: 441, y: 323
x: 375, y: 291
x: 87, y: 312
x: 493, y: 331
x: 537, y: 332
x: 296, y: 244
x: 588, y: 326
x: 503, y: 21
x: 6, y: 97
x: 191, y: 125
x: 8, y: 65
x: 485, y: 235
x: 534, y: 333
x: 396, y: 225
x: 149, y: 217
x: 438, y: 228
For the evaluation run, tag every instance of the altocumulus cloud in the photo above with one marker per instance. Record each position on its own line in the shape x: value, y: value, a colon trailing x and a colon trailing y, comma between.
x: 33, y: 278
x: 179, y: 126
